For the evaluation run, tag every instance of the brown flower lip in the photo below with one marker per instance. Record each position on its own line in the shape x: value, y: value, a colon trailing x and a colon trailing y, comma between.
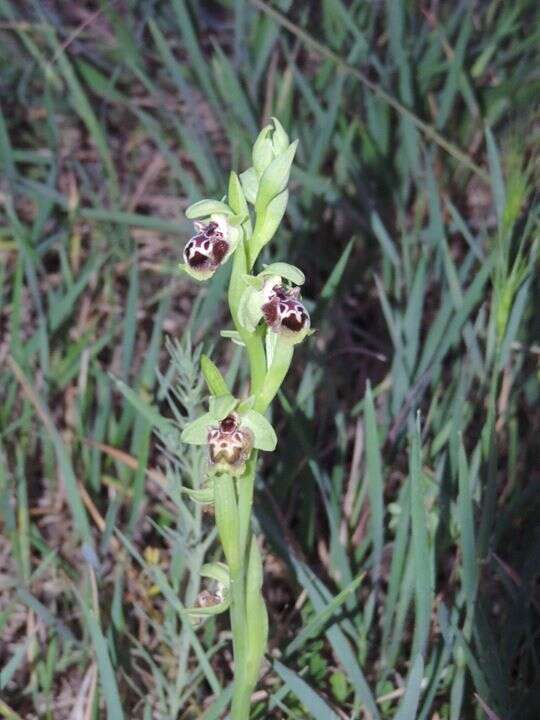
x: 206, y: 249
x: 229, y: 445
x: 284, y: 309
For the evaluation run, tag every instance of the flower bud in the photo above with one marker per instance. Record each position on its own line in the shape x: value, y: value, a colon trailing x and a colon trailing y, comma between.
x: 211, y: 247
x: 229, y: 446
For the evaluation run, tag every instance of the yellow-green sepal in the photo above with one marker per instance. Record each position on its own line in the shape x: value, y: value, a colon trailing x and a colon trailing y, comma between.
x: 284, y: 270
x: 205, y: 208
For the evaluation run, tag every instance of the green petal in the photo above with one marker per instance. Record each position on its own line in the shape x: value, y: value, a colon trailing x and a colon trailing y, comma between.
x: 205, y: 208
x: 221, y: 406
x: 264, y: 435
x: 196, y: 433
x: 284, y: 270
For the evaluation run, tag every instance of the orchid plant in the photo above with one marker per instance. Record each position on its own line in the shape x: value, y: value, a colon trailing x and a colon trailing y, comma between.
x: 269, y: 320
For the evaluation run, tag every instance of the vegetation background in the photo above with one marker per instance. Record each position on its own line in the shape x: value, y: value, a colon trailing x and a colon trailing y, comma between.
x: 400, y: 512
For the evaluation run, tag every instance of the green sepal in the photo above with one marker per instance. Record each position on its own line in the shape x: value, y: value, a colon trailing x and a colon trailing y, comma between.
x: 284, y: 270
x: 275, y: 178
x: 221, y: 406
x: 217, y: 571
x: 205, y: 208
x: 196, y: 432
x: 214, y: 379
x: 280, y: 139
x: 205, y: 495
x: 250, y: 184
x: 250, y: 309
x: 264, y: 435
x: 263, y: 151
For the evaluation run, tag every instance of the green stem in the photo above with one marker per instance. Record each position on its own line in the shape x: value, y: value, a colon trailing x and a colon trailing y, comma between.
x: 241, y: 692
x: 253, y: 342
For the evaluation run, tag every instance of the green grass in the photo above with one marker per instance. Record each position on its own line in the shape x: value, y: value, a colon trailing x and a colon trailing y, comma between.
x: 399, y: 516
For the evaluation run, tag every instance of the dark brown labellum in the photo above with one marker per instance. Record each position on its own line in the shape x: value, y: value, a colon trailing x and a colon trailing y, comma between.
x: 220, y: 250
x: 207, y: 249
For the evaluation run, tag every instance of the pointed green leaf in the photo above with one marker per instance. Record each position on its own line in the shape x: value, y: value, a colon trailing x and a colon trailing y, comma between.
x: 214, y: 379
